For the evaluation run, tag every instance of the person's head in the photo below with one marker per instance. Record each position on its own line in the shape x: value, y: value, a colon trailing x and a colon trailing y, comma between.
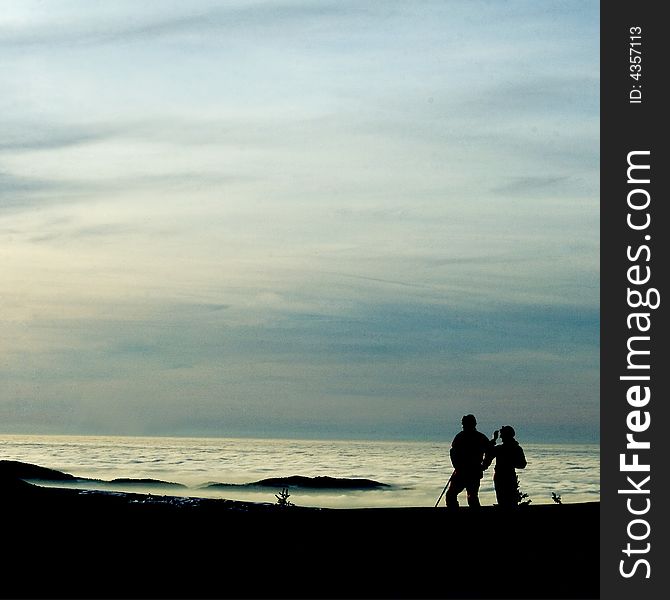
x: 469, y: 423
x: 507, y: 432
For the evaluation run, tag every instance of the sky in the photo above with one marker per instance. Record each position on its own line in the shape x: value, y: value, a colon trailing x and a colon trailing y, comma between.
x: 299, y: 218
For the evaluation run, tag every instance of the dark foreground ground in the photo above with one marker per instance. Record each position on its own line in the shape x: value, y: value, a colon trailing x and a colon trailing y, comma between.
x: 61, y: 543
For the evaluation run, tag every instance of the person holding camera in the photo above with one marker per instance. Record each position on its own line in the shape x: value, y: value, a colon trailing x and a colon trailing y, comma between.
x: 509, y: 456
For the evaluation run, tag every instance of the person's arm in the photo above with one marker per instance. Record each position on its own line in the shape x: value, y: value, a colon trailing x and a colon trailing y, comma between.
x: 489, y: 455
x: 520, y: 459
x: 455, y: 453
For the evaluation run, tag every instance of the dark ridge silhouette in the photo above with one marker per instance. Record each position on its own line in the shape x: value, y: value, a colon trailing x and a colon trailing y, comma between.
x: 12, y: 469
x: 314, y: 483
x: 144, y: 482
x: 322, y: 482
x: 161, y: 547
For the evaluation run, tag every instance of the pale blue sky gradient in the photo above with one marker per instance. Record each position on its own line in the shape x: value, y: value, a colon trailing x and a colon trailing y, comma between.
x: 340, y: 219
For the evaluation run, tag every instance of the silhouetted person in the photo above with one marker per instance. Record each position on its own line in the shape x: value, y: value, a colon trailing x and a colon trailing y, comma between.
x: 509, y: 456
x: 467, y: 454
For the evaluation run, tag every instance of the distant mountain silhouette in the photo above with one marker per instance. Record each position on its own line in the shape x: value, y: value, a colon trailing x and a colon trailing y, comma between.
x: 144, y: 482
x: 320, y: 483
x: 12, y: 469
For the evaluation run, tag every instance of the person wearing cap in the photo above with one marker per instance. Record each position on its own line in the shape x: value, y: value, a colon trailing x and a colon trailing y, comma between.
x: 509, y: 456
x: 467, y: 454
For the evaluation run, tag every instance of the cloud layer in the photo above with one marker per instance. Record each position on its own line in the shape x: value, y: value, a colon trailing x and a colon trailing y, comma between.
x: 318, y: 219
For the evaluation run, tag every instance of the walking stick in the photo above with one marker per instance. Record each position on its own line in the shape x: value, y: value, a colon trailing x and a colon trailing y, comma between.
x: 446, y: 485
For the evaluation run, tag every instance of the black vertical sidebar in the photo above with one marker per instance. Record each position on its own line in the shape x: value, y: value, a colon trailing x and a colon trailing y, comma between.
x: 635, y: 456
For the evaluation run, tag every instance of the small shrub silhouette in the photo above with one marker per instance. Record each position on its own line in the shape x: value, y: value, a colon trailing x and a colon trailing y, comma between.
x: 522, y: 498
x: 556, y: 498
x: 517, y: 497
x: 283, y: 498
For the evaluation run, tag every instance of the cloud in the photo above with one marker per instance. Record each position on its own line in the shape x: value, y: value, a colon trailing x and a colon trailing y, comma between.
x: 29, y: 136
x: 13, y: 184
x: 530, y: 185
x: 534, y: 94
x: 87, y: 234
x: 372, y: 359
x: 20, y: 193
x: 88, y: 28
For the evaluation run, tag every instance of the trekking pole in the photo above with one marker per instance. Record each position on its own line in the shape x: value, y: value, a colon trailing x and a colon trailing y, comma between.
x: 446, y: 485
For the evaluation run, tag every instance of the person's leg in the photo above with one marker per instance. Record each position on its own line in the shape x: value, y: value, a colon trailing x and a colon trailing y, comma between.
x: 473, y: 493
x: 456, y: 486
x: 506, y: 492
